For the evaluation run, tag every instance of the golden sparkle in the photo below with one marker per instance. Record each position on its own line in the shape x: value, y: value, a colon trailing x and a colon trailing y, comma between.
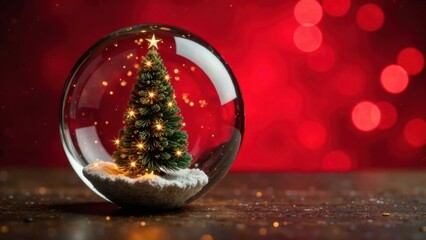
x: 140, y: 145
x: 131, y: 113
x: 158, y: 126
x: 153, y: 42
x: 132, y: 164
x: 167, y: 77
x: 169, y: 104
x: 151, y: 94
x: 148, y: 63
x: 178, y: 153
x: 116, y: 142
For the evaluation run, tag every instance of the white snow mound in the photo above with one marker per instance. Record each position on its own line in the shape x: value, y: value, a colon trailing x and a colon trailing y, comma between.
x: 149, y: 192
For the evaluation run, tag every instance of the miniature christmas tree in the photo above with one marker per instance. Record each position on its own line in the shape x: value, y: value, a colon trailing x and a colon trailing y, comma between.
x: 152, y: 140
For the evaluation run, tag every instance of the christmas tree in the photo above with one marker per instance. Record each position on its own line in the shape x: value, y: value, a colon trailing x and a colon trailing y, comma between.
x: 152, y: 140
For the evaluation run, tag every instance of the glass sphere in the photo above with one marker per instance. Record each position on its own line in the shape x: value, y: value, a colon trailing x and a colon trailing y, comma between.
x: 96, y: 93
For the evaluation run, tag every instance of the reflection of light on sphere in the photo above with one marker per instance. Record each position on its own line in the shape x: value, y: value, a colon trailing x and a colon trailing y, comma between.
x: 412, y: 60
x: 415, y: 132
x: 388, y: 115
x: 336, y: 160
x: 307, y: 38
x: 308, y: 12
x: 311, y: 134
x: 394, y: 79
x: 336, y: 8
x: 366, y: 116
x: 322, y: 59
x: 370, y: 17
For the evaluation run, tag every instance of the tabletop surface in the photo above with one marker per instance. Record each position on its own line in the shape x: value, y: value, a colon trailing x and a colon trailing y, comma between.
x: 55, y: 204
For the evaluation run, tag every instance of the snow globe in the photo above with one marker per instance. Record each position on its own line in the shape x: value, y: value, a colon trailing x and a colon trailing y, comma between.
x: 151, y: 117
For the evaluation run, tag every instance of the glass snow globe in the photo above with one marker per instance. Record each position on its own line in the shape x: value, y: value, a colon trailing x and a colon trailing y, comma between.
x: 95, y: 99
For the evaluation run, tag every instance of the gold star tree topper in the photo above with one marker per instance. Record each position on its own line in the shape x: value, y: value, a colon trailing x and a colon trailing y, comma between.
x: 153, y: 42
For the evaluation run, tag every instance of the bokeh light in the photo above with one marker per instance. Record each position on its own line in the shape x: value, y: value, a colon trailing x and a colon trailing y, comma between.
x: 394, y: 79
x: 311, y: 134
x: 370, y: 17
x: 350, y: 80
x: 366, y: 116
x: 336, y: 8
x: 415, y: 132
x: 308, y: 12
x: 322, y: 60
x: 412, y: 60
x: 388, y: 114
x: 337, y: 161
x: 307, y: 38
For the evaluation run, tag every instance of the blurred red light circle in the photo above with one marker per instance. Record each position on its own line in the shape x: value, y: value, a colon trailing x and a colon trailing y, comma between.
x: 308, y: 12
x: 412, y: 60
x: 370, y: 17
x: 388, y: 115
x: 337, y: 161
x: 311, y: 134
x: 307, y: 38
x: 366, y: 116
x: 415, y: 132
x: 322, y: 59
x: 394, y: 79
x: 350, y: 80
x: 336, y: 8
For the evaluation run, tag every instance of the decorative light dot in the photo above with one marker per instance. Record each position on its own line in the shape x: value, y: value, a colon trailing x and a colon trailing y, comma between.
x: 388, y: 115
x: 111, y: 92
x: 169, y: 104
x: 123, y: 83
x: 366, y: 116
x: 151, y: 94
x: 276, y: 224
x: 129, y: 73
x: 308, y: 12
x: 143, y: 223
x: 394, y: 79
x: 311, y: 134
x: 158, y: 126
x: 337, y: 161
x: 415, y: 132
x: 136, y: 66
x: 178, y: 153
x: 148, y: 63
x: 336, y: 8
x: 140, y: 145
x: 131, y: 113
x: 167, y: 77
x: 412, y: 60
x: 322, y: 59
x: 191, y: 104
x: 133, y: 164
x: 176, y: 71
x: 370, y: 17
x: 307, y: 38
x: 116, y: 141
x: 104, y: 83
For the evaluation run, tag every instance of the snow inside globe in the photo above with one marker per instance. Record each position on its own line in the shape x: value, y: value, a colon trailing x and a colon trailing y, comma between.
x: 151, y: 117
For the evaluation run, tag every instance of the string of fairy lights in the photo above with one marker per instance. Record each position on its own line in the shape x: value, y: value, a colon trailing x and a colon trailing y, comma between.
x: 132, y: 113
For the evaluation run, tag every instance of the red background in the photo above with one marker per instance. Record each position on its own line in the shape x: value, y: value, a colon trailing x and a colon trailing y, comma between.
x: 300, y: 101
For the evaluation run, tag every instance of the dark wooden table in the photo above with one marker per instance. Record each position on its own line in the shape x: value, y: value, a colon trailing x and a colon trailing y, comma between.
x: 43, y: 204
